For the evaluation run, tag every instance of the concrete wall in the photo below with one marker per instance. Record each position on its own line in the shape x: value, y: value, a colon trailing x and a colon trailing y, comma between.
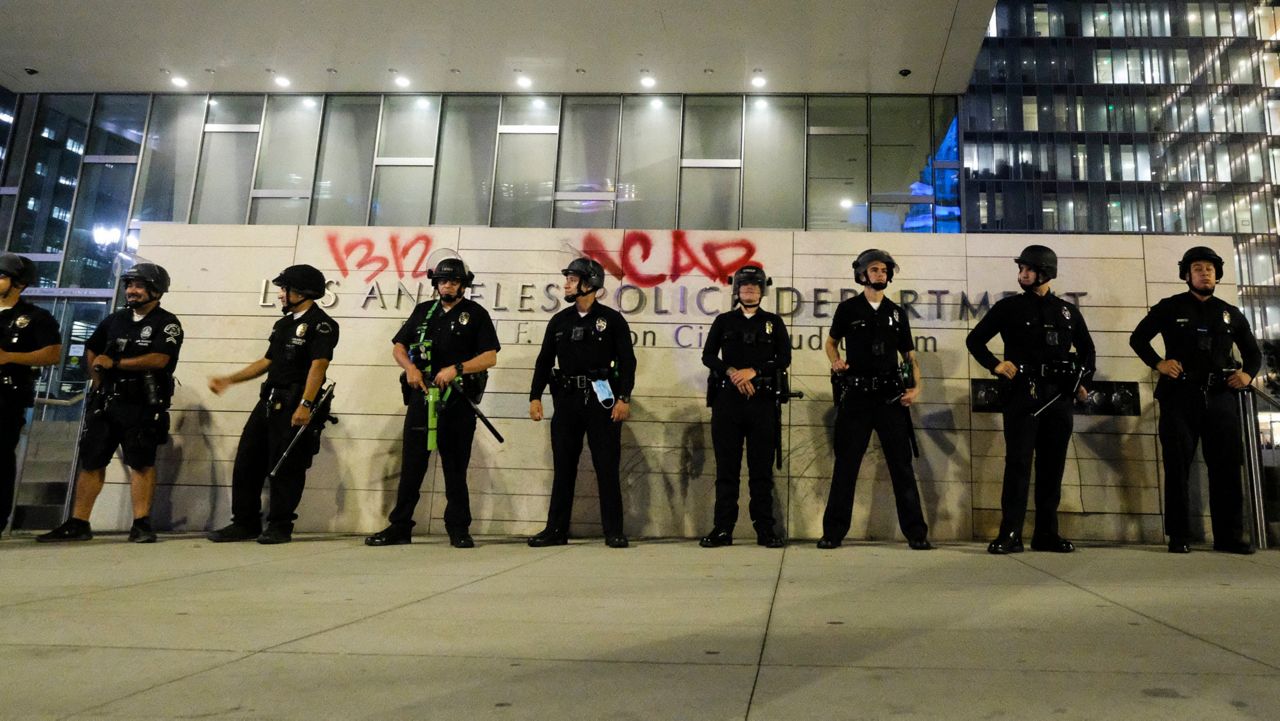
x: 669, y: 288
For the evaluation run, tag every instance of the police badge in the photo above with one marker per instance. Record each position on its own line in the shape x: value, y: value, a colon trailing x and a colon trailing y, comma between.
x: 768, y: 327
x: 23, y: 321
x: 1066, y: 313
x: 464, y: 318
x: 601, y: 324
x: 1226, y: 317
x: 146, y: 332
x: 301, y: 330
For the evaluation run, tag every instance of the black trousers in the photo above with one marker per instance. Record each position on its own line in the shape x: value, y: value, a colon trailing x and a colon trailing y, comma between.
x: 1041, y: 440
x: 455, y: 428
x: 12, y: 417
x: 1187, y: 418
x: 577, y: 414
x: 855, y: 420
x: 736, y: 419
x: 265, y: 436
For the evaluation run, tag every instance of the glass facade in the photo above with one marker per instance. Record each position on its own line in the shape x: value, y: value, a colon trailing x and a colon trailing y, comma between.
x: 1130, y: 117
x: 79, y: 172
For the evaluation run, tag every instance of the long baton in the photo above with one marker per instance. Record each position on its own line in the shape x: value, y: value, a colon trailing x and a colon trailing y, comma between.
x: 479, y: 413
x: 1054, y: 399
x: 321, y: 403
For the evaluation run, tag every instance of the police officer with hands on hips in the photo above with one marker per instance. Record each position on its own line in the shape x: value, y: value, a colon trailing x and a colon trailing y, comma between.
x: 746, y: 349
x: 298, y: 354
x: 1198, y: 395
x: 1045, y: 378
x: 592, y: 390
x: 447, y: 339
x: 131, y: 355
x: 873, y: 392
x: 29, y: 338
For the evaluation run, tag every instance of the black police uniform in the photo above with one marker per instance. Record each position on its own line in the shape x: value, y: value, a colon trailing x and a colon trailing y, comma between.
x: 737, y: 341
x: 867, y: 399
x: 24, y: 328
x: 130, y: 408
x: 1038, y: 333
x: 1199, y: 406
x: 596, y: 346
x: 456, y: 335
x: 293, y: 345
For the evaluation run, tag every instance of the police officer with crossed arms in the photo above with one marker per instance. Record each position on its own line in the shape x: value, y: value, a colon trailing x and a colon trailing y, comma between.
x: 1044, y: 378
x: 746, y: 349
x: 298, y: 354
x: 29, y: 338
x: 445, y: 339
x: 131, y: 355
x: 872, y: 393
x: 1198, y: 396
x: 591, y: 344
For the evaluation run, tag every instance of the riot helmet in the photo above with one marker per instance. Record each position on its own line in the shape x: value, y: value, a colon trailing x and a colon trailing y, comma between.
x: 20, y: 270
x: 864, y: 261
x: 1199, y: 252
x: 749, y: 275
x: 590, y: 276
x: 154, y: 277
x: 305, y: 280
x: 1042, y: 260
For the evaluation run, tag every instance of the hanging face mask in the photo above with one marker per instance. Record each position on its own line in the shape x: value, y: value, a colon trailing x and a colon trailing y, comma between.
x: 603, y: 392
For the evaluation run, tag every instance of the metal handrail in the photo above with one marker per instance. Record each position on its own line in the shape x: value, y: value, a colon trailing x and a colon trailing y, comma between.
x: 1251, y: 438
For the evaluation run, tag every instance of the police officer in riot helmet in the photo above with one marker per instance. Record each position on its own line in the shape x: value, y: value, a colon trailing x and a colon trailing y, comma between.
x: 873, y: 392
x: 298, y: 354
x: 30, y: 339
x: 1044, y: 379
x: 747, y: 350
x: 131, y: 356
x: 445, y: 349
x: 591, y: 345
x: 1200, y: 382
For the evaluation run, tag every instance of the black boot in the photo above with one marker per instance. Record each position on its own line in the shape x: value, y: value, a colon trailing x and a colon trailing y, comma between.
x: 716, y: 538
x: 392, y: 535
x: 232, y: 533
x: 1009, y: 542
x: 1052, y: 544
x: 141, y: 531
x: 73, y: 530
x: 276, y: 534
x: 461, y: 539
x: 549, y: 537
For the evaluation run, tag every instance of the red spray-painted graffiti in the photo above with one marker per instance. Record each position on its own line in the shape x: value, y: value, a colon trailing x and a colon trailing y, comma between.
x: 365, y: 255
x: 637, y: 247
x: 714, y: 259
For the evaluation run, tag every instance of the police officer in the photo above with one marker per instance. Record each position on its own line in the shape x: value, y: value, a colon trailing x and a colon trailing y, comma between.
x: 872, y: 393
x: 1197, y: 391
x: 1045, y: 377
x: 747, y: 349
x: 30, y: 339
x: 447, y: 338
x: 592, y: 392
x: 298, y: 354
x: 131, y: 356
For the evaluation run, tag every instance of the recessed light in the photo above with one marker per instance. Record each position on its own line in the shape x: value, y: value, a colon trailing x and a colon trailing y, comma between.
x: 648, y: 81
x: 846, y: 203
x: 402, y: 81
x: 758, y: 81
x: 524, y: 81
x: 180, y: 82
x: 282, y: 81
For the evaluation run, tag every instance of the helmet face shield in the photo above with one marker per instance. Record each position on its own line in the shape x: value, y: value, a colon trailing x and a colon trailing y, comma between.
x: 451, y: 269
x: 863, y: 263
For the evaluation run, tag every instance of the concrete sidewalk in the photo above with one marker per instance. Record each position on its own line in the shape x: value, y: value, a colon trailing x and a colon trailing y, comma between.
x: 325, y: 628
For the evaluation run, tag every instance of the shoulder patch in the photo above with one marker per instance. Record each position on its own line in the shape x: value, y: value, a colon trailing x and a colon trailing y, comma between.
x: 173, y: 329
x: 324, y: 327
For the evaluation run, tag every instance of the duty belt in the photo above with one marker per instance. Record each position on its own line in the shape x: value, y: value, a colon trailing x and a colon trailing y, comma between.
x: 869, y: 384
x: 579, y: 381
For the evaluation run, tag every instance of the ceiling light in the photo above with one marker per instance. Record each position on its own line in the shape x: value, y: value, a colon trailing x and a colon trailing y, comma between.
x: 180, y: 82
x: 524, y: 81
x: 282, y: 81
x: 846, y: 203
x: 648, y: 81
x: 758, y: 79
x: 402, y: 81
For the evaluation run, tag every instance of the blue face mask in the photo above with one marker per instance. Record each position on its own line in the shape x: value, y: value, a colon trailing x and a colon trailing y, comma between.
x: 603, y: 392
